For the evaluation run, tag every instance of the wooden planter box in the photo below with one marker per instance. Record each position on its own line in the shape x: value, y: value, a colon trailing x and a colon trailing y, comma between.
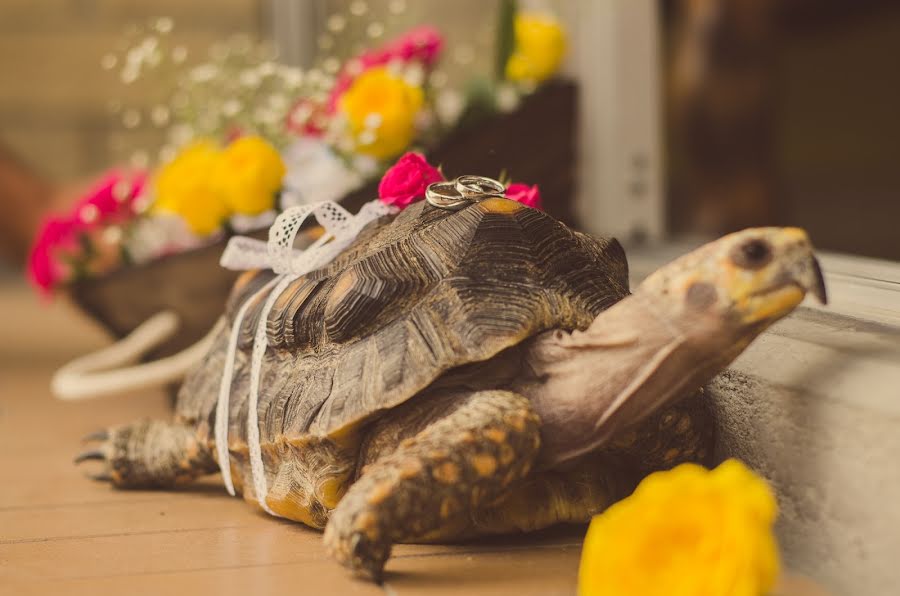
x: 536, y: 143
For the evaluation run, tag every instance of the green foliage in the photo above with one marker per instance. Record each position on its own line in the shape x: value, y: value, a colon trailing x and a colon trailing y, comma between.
x: 506, y: 39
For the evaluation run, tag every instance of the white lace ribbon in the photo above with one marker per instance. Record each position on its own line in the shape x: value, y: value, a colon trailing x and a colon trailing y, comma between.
x: 279, y: 255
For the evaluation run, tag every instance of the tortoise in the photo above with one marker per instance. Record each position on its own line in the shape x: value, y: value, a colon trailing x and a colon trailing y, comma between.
x: 454, y: 374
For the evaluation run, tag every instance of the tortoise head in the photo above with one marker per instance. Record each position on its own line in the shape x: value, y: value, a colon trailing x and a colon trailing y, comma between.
x: 683, y: 325
x: 744, y: 280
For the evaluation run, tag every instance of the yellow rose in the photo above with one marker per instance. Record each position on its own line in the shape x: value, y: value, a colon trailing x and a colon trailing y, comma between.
x: 381, y: 109
x: 685, y: 532
x: 540, y: 44
x: 247, y: 175
x: 182, y: 187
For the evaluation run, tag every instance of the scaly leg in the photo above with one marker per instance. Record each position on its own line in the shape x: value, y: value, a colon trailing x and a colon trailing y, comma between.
x: 150, y: 454
x: 681, y: 432
x: 463, y: 461
x: 553, y: 497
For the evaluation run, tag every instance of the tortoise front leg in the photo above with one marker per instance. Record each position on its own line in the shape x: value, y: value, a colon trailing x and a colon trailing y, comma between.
x: 456, y: 465
x: 150, y: 454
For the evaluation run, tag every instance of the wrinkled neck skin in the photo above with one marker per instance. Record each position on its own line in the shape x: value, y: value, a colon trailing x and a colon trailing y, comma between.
x: 643, y: 353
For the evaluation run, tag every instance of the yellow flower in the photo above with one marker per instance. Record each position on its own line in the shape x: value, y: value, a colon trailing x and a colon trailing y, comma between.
x: 685, y: 532
x: 539, y: 48
x: 381, y: 109
x: 247, y: 175
x: 182, y: 187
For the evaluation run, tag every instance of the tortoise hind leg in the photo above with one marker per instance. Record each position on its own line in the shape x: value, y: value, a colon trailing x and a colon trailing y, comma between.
x: 461, y: 462
x: 150, y: 454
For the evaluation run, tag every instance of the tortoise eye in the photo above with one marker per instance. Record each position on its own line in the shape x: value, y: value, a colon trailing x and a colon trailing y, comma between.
x: 752, y: 254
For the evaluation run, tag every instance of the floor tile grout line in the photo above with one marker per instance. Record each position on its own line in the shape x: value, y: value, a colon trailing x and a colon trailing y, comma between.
x: 177, y: 571
x: 39, y: 507
x: 286, y: 563
x: 116, y: 535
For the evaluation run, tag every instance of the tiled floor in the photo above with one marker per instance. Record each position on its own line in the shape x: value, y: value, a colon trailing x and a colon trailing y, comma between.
x: 61, y: 533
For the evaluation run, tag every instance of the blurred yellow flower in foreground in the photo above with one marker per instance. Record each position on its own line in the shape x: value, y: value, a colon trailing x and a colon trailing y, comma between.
x: 183, y: 188
x: 381, y: 109
x: 206, y: 185
x: 540, y: 44
x: 247, y: 175
x: 685, y: 532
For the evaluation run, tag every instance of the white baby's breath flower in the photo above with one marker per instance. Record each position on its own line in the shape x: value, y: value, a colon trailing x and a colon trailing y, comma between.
x: 179, y: 54
x: 448, y: 106
x: 204, y: 73
x: 232, y: 107
x: 249, y: 78
x: 507, y: 98
x: 157, y: 235
x: 266, y: 69
x: 315, y: 173
x: 414, y: 74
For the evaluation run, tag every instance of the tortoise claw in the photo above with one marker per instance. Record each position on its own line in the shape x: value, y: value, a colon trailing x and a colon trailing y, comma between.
x: 100, y: 435
x: 103, y: 473
x: 90, y: 455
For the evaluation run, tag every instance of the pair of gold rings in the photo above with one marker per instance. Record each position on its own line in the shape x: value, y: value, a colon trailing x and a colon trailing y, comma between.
x: 463, y: 191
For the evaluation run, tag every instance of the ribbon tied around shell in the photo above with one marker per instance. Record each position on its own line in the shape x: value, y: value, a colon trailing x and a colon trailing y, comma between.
x: 278, y: 254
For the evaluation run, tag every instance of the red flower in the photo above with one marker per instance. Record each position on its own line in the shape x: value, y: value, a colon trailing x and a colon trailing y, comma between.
x: 530, y: 196
x: 405, y: 182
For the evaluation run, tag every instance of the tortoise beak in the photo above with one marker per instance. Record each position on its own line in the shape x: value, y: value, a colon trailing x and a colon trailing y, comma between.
x: 810, y: 278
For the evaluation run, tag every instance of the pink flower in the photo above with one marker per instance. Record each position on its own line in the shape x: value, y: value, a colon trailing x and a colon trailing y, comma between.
x: 57, y: 234
x: 111, y: 199
x: 530, y: 196
x: 422, y: 44
x: 405, y: 182
x: 61, y: 245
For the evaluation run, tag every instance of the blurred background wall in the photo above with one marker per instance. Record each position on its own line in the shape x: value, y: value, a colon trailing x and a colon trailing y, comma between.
x: 785, y: 111
x: 54, y: 95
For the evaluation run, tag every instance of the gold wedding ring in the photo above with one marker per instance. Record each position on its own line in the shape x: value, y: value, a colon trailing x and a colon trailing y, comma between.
x: 445, y: 196
x: 462, y: 192
x: 477, y: 188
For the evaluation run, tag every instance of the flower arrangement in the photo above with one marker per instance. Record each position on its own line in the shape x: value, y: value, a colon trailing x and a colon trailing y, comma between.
x: 246, y: 137
x: 687, y: 531
x: 134, y: 218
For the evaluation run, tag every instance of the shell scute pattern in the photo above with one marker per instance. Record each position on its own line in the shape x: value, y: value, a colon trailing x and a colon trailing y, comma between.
x: 410, y: 299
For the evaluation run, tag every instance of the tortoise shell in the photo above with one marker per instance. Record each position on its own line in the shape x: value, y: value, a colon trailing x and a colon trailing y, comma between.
x: 413, y: 297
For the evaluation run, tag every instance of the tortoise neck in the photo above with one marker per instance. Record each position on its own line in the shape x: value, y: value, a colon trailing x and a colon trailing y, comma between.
x: 589, y: 385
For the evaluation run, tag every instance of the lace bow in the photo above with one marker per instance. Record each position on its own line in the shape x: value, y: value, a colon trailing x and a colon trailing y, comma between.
x: 279, y: 255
